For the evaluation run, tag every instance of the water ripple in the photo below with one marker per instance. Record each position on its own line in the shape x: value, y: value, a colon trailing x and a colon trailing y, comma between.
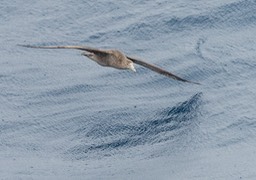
x: 122, y: 134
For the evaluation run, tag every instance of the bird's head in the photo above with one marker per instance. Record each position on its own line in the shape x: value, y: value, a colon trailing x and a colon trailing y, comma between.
x: 89, y: 55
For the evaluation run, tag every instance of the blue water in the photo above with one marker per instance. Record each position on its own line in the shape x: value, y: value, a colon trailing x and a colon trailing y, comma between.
x: 62, y: 116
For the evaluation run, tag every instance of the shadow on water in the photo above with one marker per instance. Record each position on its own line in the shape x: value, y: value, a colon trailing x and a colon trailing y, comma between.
x: 166, y: 125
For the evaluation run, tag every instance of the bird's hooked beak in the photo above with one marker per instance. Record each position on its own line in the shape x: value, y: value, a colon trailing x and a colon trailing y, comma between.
x: 131, y: 67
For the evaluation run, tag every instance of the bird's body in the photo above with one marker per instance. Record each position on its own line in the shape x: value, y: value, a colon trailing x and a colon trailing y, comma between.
x: 113, y: 58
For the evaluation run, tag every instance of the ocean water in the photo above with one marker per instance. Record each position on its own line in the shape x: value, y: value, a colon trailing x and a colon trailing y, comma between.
x: 63, y: 116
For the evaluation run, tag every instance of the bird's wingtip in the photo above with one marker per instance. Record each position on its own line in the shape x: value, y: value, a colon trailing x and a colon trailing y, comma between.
x: 24, y: 45
x: 195, y: 83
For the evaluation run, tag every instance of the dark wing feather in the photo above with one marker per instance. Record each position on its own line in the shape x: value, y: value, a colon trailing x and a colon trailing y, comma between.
x: 83, y: 48
x: 158, y: 70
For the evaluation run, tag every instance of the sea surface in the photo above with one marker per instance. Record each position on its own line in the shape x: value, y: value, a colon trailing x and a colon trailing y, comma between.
x: 62, y: 116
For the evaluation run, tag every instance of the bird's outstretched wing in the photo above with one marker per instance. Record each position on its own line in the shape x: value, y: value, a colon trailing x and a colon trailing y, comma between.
x: 106, y: 52
x: 83, y: 48
x: 159, y: 70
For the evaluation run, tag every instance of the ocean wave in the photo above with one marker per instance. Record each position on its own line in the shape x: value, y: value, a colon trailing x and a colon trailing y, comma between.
x: 234, y: 15
x: 119, y: 135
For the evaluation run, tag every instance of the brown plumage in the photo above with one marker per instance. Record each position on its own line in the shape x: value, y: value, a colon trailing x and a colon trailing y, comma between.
x: 114, y: 58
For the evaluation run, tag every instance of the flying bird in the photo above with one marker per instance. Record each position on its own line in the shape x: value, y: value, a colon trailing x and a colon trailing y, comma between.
x: 114, y: 58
